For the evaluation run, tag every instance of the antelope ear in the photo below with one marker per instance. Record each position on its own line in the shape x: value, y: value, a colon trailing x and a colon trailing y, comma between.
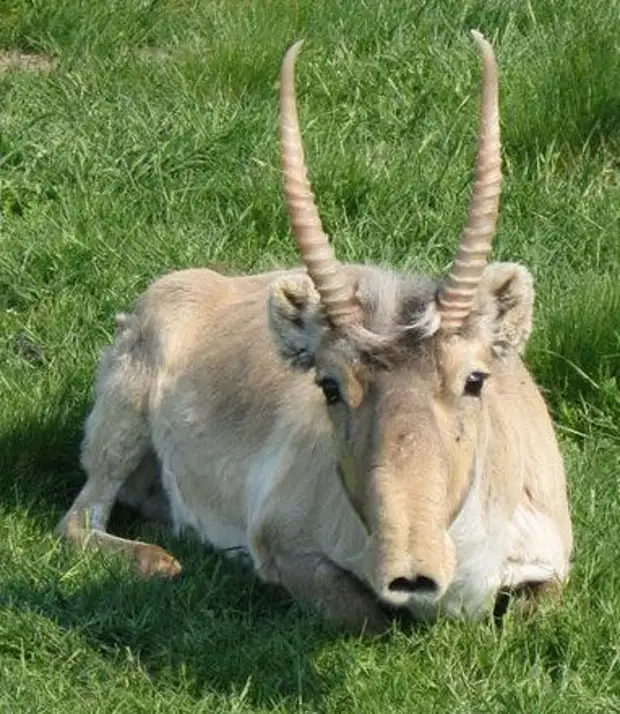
x: 503, y: 309
x: 295, y: 319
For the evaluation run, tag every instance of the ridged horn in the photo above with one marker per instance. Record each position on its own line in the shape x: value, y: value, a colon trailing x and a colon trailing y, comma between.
x: 459, y: 289
x: 323, y: 268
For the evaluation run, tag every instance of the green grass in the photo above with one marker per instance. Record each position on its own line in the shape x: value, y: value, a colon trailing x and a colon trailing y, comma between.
x: 153, y: 146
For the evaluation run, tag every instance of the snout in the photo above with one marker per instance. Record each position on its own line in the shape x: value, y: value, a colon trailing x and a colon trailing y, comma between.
x: 411, y: 504
x: 421, y: 574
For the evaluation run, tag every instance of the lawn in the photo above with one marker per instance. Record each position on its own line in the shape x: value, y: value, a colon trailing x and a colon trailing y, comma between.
x: 142, y: 138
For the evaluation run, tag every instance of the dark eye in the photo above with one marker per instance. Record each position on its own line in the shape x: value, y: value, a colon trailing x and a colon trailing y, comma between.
x: 331, y: 390
x: 473, y: 385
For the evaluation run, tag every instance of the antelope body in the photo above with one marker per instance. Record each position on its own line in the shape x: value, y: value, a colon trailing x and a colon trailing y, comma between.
x: 364, y: 436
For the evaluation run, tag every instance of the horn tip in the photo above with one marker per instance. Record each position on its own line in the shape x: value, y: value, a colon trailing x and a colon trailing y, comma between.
x: 481, y: 41
x: 294, y: 48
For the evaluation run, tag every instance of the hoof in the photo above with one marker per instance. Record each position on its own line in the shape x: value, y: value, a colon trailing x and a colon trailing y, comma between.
x: 152, y: 561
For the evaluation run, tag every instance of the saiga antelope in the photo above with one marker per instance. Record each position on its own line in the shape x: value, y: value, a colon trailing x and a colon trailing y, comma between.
x: 364, y: 435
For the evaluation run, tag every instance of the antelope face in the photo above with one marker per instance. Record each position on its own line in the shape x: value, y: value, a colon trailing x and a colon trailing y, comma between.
x: 408, y: 405
x: 404, y: 363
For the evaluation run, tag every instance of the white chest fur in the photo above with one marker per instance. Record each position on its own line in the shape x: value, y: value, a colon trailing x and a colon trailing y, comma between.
x: 494, y: 553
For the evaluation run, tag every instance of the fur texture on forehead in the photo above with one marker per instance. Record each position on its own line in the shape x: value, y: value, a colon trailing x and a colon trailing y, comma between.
x: 400, y: 311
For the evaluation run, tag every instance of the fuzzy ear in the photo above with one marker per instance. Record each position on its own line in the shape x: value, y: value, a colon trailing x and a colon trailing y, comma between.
x: 502, y: 313
x: 295, y: 319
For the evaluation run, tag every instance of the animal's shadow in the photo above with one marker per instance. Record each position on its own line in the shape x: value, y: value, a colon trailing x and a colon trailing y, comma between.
x: 216, y: 629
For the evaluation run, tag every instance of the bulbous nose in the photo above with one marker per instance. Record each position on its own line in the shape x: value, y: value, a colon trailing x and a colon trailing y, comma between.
x: 421, y: 584
x: 416, y: 581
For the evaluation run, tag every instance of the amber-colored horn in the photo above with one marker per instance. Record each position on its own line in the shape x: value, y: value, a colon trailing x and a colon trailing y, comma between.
x: 457, y: 295
x: 317, y: 253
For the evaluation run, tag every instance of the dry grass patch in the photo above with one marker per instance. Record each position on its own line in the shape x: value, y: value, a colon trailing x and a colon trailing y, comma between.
x: 25, y: 61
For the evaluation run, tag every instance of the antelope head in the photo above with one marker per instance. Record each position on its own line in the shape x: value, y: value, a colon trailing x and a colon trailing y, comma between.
x: 406, y: 364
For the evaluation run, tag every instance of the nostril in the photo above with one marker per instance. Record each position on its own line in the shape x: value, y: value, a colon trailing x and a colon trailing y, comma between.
x: 421, y: 584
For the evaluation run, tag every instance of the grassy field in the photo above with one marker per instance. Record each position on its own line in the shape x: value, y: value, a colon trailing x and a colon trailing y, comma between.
x: 152, y: 145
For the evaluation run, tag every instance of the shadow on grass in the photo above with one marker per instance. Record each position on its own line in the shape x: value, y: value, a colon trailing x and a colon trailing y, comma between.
x: 214, y: 630
x: 39, y: 467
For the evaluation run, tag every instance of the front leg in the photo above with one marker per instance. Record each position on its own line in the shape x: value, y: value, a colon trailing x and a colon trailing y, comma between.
x: 315, y: 580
